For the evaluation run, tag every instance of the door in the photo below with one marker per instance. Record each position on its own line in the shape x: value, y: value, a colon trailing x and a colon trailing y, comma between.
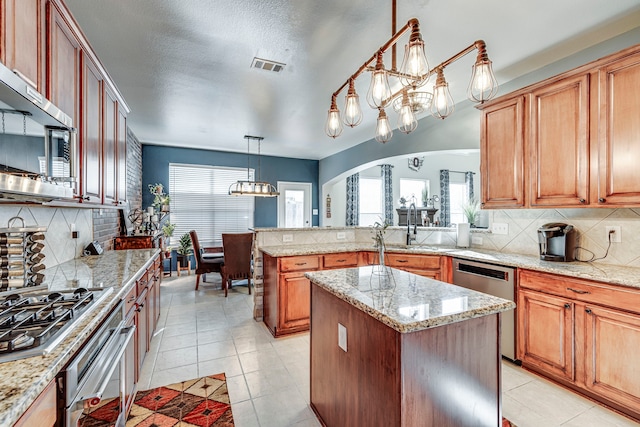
x: 295, y: 290
x: 294, y: 204
x: 546, y: 334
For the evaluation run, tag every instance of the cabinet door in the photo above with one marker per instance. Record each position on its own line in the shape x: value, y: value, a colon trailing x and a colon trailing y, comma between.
x: 64, y: 65
x: 502, y: 148
x: 23, y: 40
x: 545, y: 338
x: 91, y: 133
x: 142, y: 332
x: 109, y: 144
x: 121, y: 157
x: 294, y: 296
x: 130, y: 363
x: 612, y: 340
x: 559, y: 145
x: 42, y: 412
x: 619, y: 133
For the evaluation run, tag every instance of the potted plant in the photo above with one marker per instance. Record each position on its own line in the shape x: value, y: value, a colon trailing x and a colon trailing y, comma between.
x: 425, y: 196
x: 185, y: 248
x: 470, y: 209
x: 403, y: 202
x: 167, y: 230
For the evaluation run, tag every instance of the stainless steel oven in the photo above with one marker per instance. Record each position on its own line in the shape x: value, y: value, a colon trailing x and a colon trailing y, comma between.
x: 96, y: 378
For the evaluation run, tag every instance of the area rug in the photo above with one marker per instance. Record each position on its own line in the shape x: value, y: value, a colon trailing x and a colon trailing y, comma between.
x: 507, y: 423
x: 202, y: 402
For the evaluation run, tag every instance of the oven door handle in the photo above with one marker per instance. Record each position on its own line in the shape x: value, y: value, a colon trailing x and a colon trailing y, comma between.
x: 94, y: 397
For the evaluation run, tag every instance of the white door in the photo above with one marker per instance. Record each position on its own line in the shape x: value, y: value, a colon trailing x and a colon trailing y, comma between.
x: 294, y: 204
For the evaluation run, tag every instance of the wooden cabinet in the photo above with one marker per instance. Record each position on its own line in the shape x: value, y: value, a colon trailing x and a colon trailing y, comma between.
x: 130, y: 364
x: 422, y: 265
x: 42, y: 412
x: 582, y: 334
x: 576, y: 133
x: 63, y: 71
x: 502, y: 154
x: 110, y: 148
x: 559, y: 144
x: 341, y: 260
x: 91, y: 133
x: 619, y: 133
x: 22, y: 47
x: 121, y: 156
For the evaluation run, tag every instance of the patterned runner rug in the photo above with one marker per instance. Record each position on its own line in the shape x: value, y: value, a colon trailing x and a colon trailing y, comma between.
x: 507, y: 423
x: 202, y: 402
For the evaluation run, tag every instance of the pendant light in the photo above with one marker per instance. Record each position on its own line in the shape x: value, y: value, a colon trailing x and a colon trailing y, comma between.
x: 352, y: 110
x: 407, y: 122
x: 383, y: 129
x: 333, y: 127
x: 379, y: 90
x: 483, y: 85
x: 442, y: 105
x: 256, y: 187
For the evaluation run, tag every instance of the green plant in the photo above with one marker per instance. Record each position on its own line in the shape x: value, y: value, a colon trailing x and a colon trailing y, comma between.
x: 168, y: 228
x: 470, y: 209
x: 184, y: 245
x: 425, y: 195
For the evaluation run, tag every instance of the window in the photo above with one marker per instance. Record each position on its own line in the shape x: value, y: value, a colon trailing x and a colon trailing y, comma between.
x: 370, y: 201
x: 200, y: 201
x: 458, y: 195
x: 410, y: 188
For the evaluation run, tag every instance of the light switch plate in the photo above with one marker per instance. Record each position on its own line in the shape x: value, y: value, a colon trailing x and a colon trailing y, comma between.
x: 476, y: 241
x: 287, y: 237
x: 500, y: 228
x: 340, y: 235
x: 342, y: 337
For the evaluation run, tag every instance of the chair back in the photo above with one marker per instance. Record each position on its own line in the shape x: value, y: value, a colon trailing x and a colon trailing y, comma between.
x: 237, y: 248
x: 197, y: 253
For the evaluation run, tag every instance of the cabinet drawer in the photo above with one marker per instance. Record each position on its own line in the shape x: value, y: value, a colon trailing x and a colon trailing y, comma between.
x: 342, y: 260
x: 582, y: 290
x: 413, y: 261
x: 142, y: 282
x: 130, y: 299
x: 299, y: 263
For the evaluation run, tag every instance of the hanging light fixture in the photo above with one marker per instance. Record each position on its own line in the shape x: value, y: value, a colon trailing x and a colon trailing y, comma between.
x: 414, y: 73
x: 253, y: 187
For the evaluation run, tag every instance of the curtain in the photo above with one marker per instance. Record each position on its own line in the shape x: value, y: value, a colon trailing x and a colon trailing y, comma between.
x: 388, y: 193
x: 445, y: 198
x: 468, y: 180
x: 353, y: 205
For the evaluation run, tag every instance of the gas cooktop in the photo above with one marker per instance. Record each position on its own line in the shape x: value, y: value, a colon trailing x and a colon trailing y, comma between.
x: 33, y: 323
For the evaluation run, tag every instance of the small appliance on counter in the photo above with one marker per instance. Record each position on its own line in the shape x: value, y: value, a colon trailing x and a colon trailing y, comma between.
x: 557, y: 242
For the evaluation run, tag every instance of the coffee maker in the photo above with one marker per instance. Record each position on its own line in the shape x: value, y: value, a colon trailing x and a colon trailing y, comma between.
x: 557, y: 242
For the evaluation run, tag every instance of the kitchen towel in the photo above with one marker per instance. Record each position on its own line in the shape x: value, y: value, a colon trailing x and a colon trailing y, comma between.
x: 462, y: 236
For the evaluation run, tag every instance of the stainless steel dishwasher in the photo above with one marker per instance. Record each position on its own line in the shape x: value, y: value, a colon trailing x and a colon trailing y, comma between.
x: 495, y: 280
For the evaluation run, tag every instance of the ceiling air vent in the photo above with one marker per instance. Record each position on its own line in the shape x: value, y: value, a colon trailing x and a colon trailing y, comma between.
x: 265, y: 64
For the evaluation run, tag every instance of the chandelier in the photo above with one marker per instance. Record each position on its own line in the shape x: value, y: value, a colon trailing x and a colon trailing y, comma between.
x: 253, y: 187
x: 413, y: 75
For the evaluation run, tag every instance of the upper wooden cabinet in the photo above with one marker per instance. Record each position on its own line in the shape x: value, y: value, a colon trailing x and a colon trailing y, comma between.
x: 23, y: 36
x: 619, y: 133
x: 502, y: 148
x: 567, y: 141
x: 91, y: 133
x: 121, y: 156
x: 110, y: 147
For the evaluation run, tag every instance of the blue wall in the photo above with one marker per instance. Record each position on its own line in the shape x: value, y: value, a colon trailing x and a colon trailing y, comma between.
x: 155, y: 168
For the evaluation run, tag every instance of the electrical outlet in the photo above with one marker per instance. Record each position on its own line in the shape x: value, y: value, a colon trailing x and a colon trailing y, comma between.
x: 500, y: 228
x: 287, y: 237
x: 616, y: 237
x: 476, y: 241
x: 340, y: 235
x: 342, y: 337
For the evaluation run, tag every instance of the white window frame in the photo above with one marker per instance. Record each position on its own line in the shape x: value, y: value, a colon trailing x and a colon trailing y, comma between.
x: 379, y: 214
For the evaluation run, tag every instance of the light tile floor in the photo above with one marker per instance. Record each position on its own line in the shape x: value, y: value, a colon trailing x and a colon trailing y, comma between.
x: 203, y: 333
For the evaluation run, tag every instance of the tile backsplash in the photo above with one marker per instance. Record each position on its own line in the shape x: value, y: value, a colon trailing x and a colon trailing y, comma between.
x: 59, y: 246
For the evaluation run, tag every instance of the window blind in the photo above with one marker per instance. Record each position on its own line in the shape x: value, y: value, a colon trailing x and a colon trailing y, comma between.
x: 200, y: 201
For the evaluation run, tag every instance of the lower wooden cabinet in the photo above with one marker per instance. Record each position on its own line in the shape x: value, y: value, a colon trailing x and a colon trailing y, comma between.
x: 42, y: 412
x: 583, y: 334
x: 294, y: 295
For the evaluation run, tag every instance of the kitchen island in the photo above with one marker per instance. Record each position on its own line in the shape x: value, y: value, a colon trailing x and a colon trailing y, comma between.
x: 23, y: 380
x: 394, y: 348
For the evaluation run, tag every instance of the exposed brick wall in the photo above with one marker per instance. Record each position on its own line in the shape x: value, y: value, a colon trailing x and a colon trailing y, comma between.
x: 106, y: 222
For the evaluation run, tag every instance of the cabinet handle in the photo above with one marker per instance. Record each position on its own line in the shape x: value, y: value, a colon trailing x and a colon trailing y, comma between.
x: 602, y: 200
x: 301, y: 263
x: 567, y: 305
x: 82, y: 198
x: 583, y: 201
x: 577, y: 291
x: 588, y: 311
x: 402, y: 260
x: 341, y: 260
x: 133, y: 298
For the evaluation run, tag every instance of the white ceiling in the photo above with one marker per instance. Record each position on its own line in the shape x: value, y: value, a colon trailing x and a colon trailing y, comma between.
x: 184, y: 66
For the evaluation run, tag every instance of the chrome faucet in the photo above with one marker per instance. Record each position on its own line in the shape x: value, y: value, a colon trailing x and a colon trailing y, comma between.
x: 411, y: 238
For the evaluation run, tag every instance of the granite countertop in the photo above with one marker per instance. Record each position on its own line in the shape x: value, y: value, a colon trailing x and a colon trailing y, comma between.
x: 22, y: 381
x: 607, y: 273
x: 404, y: 301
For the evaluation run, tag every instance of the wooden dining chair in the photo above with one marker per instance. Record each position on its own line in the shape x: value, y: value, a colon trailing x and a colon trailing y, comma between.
x: 237, y: 248
x: 204, y: 265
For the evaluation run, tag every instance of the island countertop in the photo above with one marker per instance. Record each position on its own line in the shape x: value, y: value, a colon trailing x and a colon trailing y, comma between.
x: 405, y: 301
x: 22, y: 381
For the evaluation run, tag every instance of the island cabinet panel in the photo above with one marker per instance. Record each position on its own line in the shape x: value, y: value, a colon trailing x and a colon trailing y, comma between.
x: 559, y: 145
x: 619, y: 133
x: 22, y: 42
x: 386, y: 378
x: 42, y: 412
x: 582, y: 334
